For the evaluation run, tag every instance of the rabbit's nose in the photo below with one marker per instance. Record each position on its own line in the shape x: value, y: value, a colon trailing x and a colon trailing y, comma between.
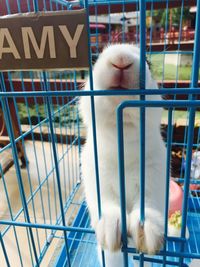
x: 122, y: 66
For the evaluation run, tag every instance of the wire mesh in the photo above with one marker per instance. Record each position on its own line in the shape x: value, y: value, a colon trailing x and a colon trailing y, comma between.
x: 43, y: 217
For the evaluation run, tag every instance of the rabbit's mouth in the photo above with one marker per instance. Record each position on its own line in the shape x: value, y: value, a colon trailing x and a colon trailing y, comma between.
x: 118, y: 88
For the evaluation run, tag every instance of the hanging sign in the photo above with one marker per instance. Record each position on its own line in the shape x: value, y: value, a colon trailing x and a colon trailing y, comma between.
x: 44, y: 41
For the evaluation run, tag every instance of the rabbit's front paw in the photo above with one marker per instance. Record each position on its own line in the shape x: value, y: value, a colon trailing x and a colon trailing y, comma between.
x: 148, y: 238
x: 108, y: 231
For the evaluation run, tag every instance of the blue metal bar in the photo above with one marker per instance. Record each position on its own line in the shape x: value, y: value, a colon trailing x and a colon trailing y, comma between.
x: 185, y: 140
x: 173, y: 254
x: 71, y: 151
x: 28, y: 5
x: 196, y: 57
x: 60, y: 112
x: 142, y: 84
x: 75, y: 133
x: 194, y: 84
x: 137, y: 23
x: 154, y: 260
x: 123, y: 21
x: 56, y: 165
x: 179, y: 41
x: 159, y: 104
x: 47, y: 226
x: 168, y: 167
x: 114, y: 2
x: 96, y: 30
x: 98, y: 190
x: 151, y: 33
x: 170, y: 52
x: 93, y: 114
x: 109, y: 24
x: 35, y: 5
x: 18, y: 6
x: 11, y: 216
x: 4, y: 251
x: 102, y: 92
x: 68, y: 164
x: 79, y: 140
x: 142, y: 5
x: 165, y: 40
x: 122, y: 186
x: 65, y: 178
x: 64, y: 3
x: 8, y: 7
x: 44, y: 3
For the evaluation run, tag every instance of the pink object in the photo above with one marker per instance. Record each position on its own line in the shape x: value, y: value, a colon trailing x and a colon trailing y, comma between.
x: 175, y: 198
x: 194, y: 186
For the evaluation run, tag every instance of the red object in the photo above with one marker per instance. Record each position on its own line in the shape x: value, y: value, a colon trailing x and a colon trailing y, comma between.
x: 97, y: 26
x: 175, y: 198
x: 194, y: 187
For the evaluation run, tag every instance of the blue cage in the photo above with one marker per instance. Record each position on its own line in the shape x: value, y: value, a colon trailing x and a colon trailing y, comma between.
x: 44, y: 219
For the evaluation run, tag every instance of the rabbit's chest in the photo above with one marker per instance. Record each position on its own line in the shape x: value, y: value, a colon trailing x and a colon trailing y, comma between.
x: 110, y: 181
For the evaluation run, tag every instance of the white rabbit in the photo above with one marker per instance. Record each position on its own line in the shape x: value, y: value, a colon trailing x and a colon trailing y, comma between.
x: 118, y: 67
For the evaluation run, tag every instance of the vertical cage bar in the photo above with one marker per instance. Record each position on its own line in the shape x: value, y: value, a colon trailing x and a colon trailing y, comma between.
x: 8, y: 7
x: 187, y: 177
x: 12, y: 218
x: 93, y: 120
x: 142, y: 8
x: 142, y: 110
x: 122, y: 182
x: 93, y: 114
x: 168, y: 161
x: 194, y: 84
x: 196, y: 57
x: 165, y: 40
x: 56, y: 165
x: 35, y: 5
x: 4, y: 251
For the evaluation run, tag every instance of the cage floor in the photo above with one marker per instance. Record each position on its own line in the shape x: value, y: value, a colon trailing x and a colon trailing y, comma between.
x: 83, y: 251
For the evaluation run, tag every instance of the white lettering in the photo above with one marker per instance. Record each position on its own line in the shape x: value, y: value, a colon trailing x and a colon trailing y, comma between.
x: 47, y: 32
x: 11, y: 48
x: 72, y: 42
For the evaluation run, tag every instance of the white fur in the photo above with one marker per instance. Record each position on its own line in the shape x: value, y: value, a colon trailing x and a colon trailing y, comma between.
x: 105, y: 76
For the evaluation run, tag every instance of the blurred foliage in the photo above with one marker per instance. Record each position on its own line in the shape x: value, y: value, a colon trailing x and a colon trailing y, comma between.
x: 162, y: 17
x: 34, y: 114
